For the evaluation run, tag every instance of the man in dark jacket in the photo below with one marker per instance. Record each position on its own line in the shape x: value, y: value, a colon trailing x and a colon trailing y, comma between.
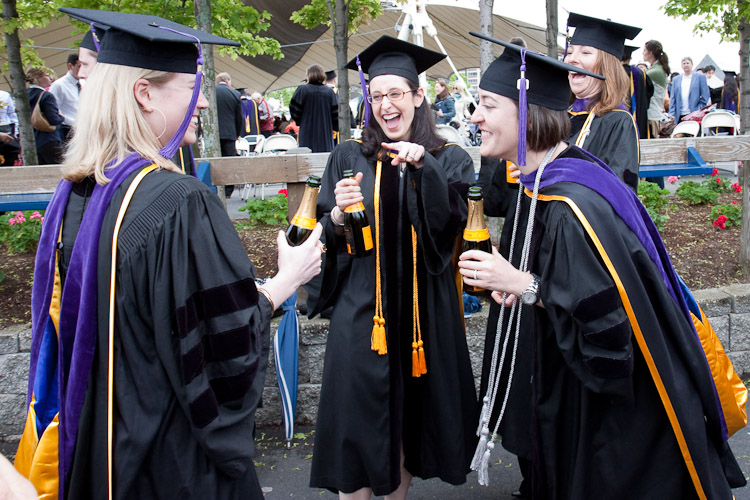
x: 229, y: 109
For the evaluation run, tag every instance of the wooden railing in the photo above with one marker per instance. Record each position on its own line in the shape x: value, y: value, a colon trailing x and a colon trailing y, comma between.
x: 294, y: 169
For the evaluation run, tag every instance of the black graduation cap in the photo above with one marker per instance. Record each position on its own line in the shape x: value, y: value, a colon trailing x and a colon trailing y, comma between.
x: 547, y: 77
x: 528, y: 77
x: 88, y: 41
x: 391, y: 56
x: 601, y: 34
x: 627, y: 52
x: 330, y: 75
x: 145, y: 41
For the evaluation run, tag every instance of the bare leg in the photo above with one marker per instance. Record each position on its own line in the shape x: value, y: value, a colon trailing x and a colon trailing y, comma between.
x: 361, y: 494
x: 403, y: 489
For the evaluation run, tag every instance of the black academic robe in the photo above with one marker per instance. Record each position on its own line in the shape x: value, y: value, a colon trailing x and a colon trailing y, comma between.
x: 599, y: 428
x: 613, y: 138
x: 643, y: 88
x: 191, y: 346
x: 370, y: 404
x: 315, y: 108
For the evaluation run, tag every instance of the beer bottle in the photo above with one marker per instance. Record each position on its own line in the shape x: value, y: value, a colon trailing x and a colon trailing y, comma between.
x: 476, y: 234
x: 304, y: 220
x: 357, y: 227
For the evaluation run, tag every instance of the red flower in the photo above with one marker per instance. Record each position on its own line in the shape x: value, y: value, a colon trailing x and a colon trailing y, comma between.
x: 722, y: 218
x: 714, y: 172
x: 736, y: 186
x: 734, y: 202
x: 718, y: 180
x: 283, y: 191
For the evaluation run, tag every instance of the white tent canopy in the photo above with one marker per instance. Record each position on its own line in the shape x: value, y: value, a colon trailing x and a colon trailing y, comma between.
x: 303, y: 47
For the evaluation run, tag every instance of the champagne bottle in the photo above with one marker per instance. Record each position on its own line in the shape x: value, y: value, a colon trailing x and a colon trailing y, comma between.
x: 476, y: 234
x: 304, y: 220
x: 357, y: 227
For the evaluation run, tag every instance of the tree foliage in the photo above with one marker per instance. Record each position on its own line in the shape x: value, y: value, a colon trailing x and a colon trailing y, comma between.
x: 317, y: 12
x: 717, y: 16
x: 31, y: 13
x: 230, y: 18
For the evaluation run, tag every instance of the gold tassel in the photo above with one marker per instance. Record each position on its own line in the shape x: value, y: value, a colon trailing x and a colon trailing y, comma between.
x: 422, y: 362
x: 374, y: 339
x: 378, y: 341
x: 415, y: 369
x: 418, y: 362
x: 382, y: 342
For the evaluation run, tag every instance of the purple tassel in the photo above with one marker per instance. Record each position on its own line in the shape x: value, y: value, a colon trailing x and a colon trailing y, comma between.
x: 94, y: 37
x: 363, y: 84
x: 522, y: 86
x: 173, y: 145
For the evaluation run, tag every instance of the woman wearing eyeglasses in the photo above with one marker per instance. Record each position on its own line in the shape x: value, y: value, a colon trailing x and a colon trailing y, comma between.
x: 397, y: 397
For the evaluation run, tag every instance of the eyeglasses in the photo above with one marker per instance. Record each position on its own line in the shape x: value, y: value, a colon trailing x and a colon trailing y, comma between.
x: 393, y: 95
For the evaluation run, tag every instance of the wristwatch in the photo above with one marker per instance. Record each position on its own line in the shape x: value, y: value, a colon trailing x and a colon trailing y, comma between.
x: 531, y: 295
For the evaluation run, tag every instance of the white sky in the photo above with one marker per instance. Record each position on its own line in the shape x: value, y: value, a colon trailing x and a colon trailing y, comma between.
x: 676, y: 35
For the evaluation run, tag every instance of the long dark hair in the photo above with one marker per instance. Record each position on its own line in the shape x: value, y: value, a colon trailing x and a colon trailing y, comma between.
x: 423, y: 130
x: 657, y: 50
x: 730, y: 89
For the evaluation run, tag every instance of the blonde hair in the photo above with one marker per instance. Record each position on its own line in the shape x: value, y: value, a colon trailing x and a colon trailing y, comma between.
x: 614, y: 90
x: 34, y: 72
x: 114, y: 124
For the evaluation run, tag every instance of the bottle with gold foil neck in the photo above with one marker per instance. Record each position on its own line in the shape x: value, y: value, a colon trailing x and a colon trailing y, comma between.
x: 304, y: 220
x: 357, y: 227
x: 476, y: 234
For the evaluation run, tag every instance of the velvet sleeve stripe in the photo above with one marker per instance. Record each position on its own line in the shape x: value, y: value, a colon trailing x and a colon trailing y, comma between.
x: 192, y: 363
x: 214, y: 302
x: 612, y: 338
x: 216, y: 347
x: 597, y: 305
x: 204, y: 409
x: 234, y: 387
x: 611, y: 368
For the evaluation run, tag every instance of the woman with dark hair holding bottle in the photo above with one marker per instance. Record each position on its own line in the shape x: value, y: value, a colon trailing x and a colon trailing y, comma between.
x: 397, y: 398
x: 620, y: 396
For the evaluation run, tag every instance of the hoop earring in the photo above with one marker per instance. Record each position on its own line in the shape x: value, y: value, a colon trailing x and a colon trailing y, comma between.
x: 165, y: 122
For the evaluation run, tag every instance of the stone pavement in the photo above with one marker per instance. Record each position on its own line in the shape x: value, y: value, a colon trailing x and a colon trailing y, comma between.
x: 285, y: 473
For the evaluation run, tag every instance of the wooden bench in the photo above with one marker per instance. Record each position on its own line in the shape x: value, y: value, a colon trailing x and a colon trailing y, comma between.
x: 659, y: 157
x: 694, y: 166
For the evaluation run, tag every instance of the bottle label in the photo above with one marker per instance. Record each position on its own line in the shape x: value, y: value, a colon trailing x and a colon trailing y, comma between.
x: 367, y: 237
x: 303, y: 222
x: 508, y: 178
x: 357, y: 207
x: 477, y: 235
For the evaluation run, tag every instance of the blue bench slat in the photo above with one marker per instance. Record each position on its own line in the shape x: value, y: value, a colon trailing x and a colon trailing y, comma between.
x: 694, y: 166
x: 33, y: 201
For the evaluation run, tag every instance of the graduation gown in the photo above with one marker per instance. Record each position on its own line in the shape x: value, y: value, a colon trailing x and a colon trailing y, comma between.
x: 599, y: 428
x: 613, y: 138
x: 191, y: 346
x: 639, y: 97
x: 315, y: 108
x: 370, y: 404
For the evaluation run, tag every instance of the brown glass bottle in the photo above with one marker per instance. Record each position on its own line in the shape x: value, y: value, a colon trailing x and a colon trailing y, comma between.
x: 304, y: 220
x: 476, y: 234
x: 357, y: 227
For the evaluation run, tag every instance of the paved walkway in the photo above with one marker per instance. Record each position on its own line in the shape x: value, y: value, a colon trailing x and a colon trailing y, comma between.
x: 285, y: 473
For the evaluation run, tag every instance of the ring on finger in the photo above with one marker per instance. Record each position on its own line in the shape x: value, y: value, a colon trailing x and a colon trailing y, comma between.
x: 475, y: 274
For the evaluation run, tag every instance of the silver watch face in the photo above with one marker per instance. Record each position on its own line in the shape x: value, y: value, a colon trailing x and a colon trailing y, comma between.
x: 528, y: 298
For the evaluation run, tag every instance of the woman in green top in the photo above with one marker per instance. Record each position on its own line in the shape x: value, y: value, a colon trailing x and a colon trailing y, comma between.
x: 654, y: 55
